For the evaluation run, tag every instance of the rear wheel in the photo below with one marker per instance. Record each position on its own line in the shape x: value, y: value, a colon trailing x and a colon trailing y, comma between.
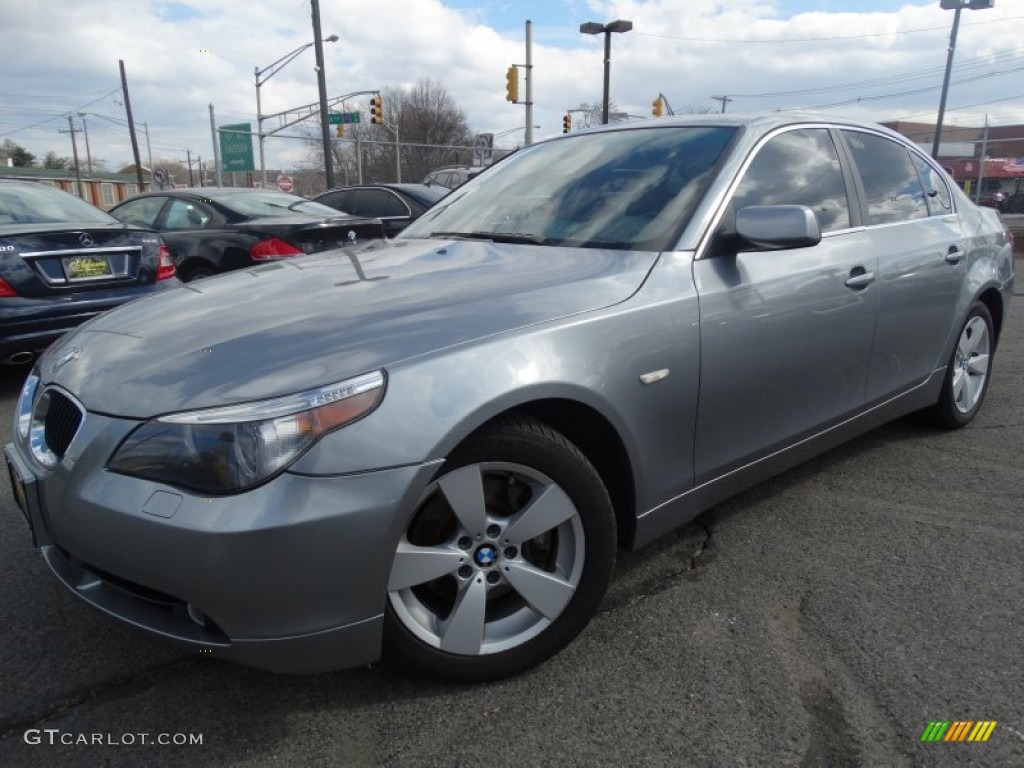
x: 505, y: 559
x: 967, y: 375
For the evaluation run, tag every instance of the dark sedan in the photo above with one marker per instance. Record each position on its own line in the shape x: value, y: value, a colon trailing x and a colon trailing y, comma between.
x: 396, y: 205
x: 62, y: 262
x: 211, y: 230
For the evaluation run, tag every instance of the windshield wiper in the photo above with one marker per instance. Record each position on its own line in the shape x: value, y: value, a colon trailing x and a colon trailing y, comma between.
x: 498, y: 237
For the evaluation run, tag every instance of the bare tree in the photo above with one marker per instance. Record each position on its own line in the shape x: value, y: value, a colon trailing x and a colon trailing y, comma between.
x: 424, y: 115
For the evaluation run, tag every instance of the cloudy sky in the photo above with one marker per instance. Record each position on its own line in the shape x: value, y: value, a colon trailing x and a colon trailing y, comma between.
x: 878, y: 59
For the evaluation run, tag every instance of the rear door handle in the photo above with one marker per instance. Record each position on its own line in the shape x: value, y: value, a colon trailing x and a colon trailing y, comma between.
x: 954, y: 254
x: 860, y: 278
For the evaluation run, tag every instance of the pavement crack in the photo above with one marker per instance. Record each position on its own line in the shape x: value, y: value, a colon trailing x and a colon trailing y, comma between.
x: 111, y: 689
x: 697, y: 544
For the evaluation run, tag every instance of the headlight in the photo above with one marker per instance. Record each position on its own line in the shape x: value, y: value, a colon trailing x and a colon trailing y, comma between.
x: 230, y: 449
x: 25, y: 402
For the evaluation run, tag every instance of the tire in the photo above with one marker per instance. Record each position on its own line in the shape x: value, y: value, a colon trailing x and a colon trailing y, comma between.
x: 968, y: 372
x: 516, y: 573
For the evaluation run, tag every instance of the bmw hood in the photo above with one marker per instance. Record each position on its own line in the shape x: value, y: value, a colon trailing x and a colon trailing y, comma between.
x: 295, y: 324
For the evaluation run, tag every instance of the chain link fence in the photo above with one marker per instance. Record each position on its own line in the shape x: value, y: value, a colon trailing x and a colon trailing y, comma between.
x: 297, y: 161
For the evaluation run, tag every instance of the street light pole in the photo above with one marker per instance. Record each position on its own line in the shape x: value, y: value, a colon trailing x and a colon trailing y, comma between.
x: 593, y: 28
x: 270, y: 70
x: 956, y: 6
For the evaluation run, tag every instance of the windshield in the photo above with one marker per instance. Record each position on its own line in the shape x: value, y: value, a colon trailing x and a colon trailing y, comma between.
x: 631, y: 189
x: 268, y: 203
x: 33, y: 203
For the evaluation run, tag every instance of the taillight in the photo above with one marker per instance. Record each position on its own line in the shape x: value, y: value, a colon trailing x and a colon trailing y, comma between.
x: 6, y: 291
x: 165, y: 266
x: 273, y: 248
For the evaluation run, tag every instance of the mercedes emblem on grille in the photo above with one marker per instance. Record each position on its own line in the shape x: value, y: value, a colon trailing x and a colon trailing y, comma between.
x: 86, y: 240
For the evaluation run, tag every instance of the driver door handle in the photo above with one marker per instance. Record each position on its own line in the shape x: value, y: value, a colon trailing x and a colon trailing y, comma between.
x: 860, y: 278
x: 954, y: 254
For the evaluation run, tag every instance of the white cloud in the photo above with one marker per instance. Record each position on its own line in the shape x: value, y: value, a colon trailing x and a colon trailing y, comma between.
x: 67, y: 52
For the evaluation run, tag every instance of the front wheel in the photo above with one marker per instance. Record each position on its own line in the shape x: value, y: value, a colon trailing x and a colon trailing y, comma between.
x: 968, y: 372
x: 505, y: 559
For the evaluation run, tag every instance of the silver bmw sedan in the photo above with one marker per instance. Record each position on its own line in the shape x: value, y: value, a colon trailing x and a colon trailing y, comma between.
x: 431, y: 448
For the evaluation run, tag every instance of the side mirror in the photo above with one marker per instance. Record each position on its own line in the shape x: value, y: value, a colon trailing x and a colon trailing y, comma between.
x: 774, y: 227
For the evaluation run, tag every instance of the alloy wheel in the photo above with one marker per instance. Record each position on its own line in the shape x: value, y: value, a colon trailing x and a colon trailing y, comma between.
x: 493, y: 555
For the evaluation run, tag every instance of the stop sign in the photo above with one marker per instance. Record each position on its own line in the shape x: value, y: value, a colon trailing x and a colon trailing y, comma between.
x: 285, y: 183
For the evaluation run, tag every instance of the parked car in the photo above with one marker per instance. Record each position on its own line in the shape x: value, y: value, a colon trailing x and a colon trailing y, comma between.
x: 995, y: 199
x: 211, y: 230
x: 64, y: 261
x: 394, y: 204
x: 434, y: 447
x: 452, y: 176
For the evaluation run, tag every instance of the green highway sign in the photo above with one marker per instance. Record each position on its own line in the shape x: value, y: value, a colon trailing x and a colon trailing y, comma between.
x: 236, y: 147
x: 336, y: 118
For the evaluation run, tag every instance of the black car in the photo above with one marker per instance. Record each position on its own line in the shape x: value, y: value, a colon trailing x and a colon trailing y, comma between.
x: 211, y: 230
x: 64, y: 261
x: 396, y: 205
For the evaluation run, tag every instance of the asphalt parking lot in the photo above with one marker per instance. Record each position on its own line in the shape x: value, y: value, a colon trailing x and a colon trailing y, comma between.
x: 821, y: 619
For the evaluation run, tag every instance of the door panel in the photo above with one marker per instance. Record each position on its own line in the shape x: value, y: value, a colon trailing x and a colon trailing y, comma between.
x: 786, y: 335
x: 784, y: 347
x: 921, y: 261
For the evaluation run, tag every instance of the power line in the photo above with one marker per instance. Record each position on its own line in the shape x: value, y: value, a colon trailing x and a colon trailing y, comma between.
x: 966, y: 106
x: 915, y: 91
x: 817, y: 39
x: 999, y: 57
x: 62, y: 114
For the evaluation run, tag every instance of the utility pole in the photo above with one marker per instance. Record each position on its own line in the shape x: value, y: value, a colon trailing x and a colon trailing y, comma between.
x: 188, y: 155
x: 528, y: 137
x: 149, y: 149
x: 74, y: 151
x: 724, y: 99
x: 131, y: 125
x: 981, y: 162
x: 88, y: 154
x: 325, y: 130
x: 216, y: 150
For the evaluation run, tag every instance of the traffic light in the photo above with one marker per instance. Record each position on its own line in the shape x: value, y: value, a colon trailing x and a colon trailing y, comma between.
x: 658, y: 106
x: 512, y: 84
x: 341, y: 130
x: 377, y: 110
x: 567, y: 122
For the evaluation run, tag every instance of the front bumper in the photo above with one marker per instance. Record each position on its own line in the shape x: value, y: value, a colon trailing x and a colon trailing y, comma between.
x: 288, y: 577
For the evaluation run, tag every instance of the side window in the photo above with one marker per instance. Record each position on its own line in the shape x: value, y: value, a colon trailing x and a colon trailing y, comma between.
x: 390, y: 204
x: 894, y: 192
x: 185, y: 215
x: 798, y: 168
x: 336, y: 200
x: 141, y: 212
x: 377, y: 203
x: 939, y: 201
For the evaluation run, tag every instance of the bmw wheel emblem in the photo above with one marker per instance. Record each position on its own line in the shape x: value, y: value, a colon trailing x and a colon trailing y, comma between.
x: 485, y: 556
